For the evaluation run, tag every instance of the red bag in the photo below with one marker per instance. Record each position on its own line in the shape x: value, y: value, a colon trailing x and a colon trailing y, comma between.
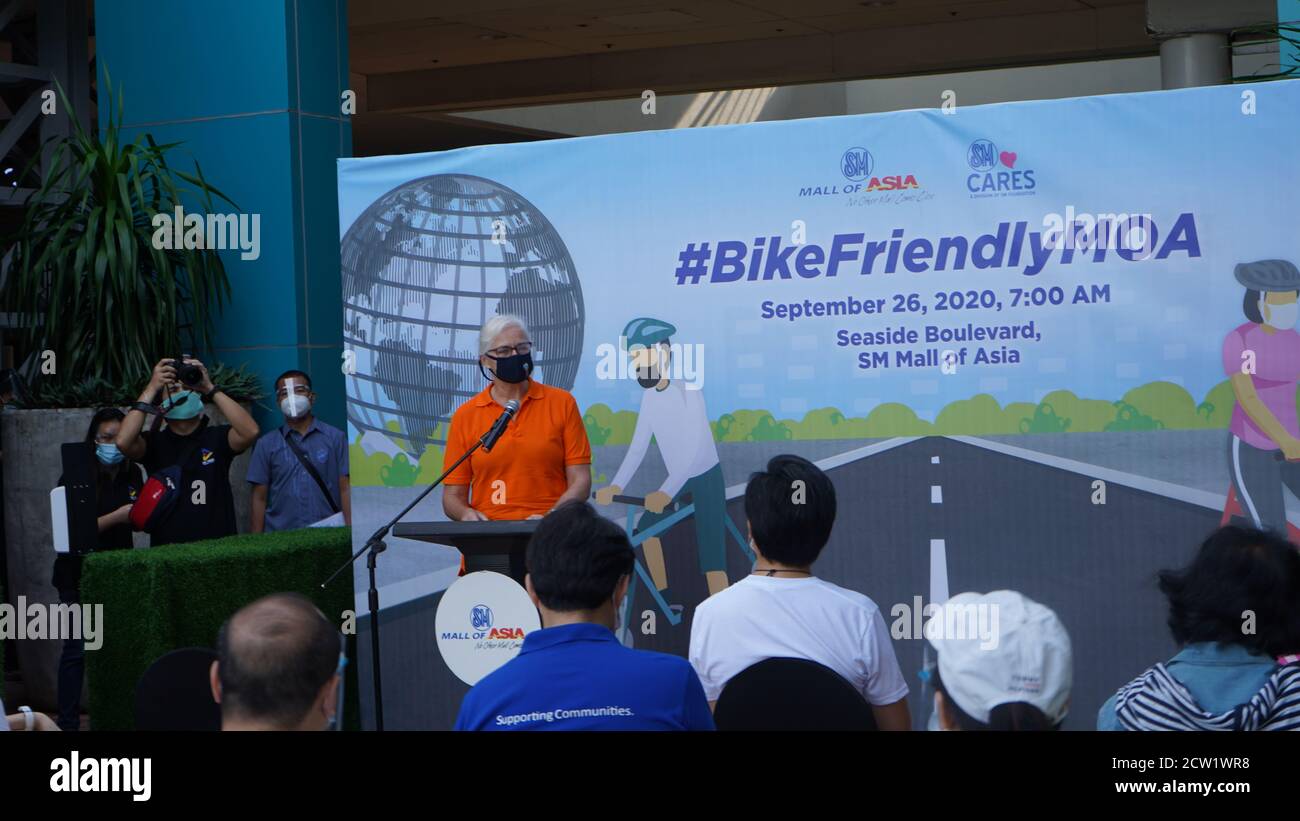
x: 161, y: 490
x: 157, y: 499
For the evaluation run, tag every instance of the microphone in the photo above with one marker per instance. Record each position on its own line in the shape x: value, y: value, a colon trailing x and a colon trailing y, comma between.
x: 499, y: 427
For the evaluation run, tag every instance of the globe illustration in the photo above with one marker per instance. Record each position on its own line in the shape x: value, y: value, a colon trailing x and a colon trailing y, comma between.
x: 423, y: 268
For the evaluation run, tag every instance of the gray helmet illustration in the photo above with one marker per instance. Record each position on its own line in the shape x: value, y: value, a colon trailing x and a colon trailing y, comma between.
x: 646, y: 331
x: 1268, y: 275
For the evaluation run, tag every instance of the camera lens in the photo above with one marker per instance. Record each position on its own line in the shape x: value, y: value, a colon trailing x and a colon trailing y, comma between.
x: 188, y: 374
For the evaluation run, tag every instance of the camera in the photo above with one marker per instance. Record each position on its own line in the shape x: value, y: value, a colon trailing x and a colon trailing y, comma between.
x: 189, y: 375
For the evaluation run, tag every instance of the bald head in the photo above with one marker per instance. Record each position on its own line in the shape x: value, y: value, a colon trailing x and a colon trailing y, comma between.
x: 277, y: 659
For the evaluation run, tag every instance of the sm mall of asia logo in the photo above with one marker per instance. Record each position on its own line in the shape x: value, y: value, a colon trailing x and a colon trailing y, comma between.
x: 994, y: 172
x: 858, y: 167
x: 481, y: 627
x: 481, y: 623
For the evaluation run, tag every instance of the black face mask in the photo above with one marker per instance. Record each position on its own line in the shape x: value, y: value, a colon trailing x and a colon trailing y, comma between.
x: 649, y: 376
x: 513, y: 369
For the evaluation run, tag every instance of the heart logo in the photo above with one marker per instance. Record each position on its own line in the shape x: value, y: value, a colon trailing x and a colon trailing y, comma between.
x: 1008, y: 159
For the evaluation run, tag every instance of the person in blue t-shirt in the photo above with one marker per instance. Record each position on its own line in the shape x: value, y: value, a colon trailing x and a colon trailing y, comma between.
x: 573, y: 674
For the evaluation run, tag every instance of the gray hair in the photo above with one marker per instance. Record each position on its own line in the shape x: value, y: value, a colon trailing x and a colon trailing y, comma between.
x: 493, y: 328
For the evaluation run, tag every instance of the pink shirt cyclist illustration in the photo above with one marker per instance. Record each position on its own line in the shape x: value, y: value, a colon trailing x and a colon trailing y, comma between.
x: 1261, y: 358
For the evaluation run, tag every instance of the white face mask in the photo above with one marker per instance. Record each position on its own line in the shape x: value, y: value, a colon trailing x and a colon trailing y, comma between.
x: 294, y: 406
x: 1282, y: 317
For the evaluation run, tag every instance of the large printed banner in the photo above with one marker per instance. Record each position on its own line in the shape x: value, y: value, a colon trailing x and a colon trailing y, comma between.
x: 1007, y: 332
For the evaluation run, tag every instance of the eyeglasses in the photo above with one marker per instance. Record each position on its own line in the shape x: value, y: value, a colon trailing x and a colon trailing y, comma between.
x: 503, y: 351
x: 106, y: 438
x: 301, y: 390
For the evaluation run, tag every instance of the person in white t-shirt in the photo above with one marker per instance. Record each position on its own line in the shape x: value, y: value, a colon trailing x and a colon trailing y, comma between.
x: 781, y: 610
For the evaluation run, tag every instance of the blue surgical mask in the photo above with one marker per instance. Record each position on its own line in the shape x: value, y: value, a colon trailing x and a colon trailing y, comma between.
x: 183, y: 405
x: 108, y: 454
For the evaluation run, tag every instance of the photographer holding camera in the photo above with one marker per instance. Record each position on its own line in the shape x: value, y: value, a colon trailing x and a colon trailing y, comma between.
x: 205, y: 506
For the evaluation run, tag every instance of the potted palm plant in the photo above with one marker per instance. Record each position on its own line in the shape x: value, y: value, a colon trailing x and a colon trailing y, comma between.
x: 96, y: 305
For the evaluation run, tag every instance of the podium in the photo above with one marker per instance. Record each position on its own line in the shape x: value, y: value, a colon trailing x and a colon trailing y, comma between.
x: 498, y: 546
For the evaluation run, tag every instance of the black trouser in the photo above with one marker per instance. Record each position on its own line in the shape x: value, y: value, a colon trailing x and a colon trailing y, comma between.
x: 72, y: 671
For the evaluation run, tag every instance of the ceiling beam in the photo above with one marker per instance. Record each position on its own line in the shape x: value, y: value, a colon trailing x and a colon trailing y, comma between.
x: 1103, y: 32
x: 1170, y: 18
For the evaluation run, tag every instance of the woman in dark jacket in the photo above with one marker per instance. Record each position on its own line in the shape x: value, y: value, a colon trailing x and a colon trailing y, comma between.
x: 117, y: 482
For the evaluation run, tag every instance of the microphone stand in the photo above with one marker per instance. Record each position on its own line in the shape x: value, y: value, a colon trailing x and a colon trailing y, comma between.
x: 375, y: 545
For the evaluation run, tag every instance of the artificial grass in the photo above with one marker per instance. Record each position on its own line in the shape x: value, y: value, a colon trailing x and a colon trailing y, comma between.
x: 164, y: 598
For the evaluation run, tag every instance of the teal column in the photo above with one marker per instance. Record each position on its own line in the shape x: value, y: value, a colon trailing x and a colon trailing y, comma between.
x: 252, y: 89
x: 1288, y: 13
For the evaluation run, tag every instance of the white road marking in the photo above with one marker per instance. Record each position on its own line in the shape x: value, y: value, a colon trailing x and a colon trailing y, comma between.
x: 936, y: 494
x: 840, y: 459
x: 934, y: 460
x: 1202, y: 498
x: 938, y: 572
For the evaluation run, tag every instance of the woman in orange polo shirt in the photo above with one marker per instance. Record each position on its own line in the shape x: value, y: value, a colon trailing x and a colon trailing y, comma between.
x: 542, y: 460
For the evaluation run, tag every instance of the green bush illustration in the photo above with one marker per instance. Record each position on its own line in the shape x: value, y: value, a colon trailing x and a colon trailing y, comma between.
x: 767, y: 429
x: 363, y: 468
x: 738, y: 425
x: 1016, y: 411
x: 1164, y: 402
x: 722, y: 427
x: 1216, y: 410
x: 1044, y: 420
x: 1084, y: 414
x: 604, y: 427
x: 822, y: 423
x: 1130, y: 418
x: 894, y: 419
x: 597, y: 433
x: 979, y: 415
x: 430, y: 465
x: 399, y: 473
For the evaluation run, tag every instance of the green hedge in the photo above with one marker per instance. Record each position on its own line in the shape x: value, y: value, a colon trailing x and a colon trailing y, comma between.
x: 160, y: 599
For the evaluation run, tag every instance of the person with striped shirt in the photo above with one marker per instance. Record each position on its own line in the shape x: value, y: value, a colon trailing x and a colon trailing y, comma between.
x: 1233, y: 611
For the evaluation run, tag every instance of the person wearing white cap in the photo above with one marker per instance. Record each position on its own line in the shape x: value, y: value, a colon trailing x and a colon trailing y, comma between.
x: 1004, y: 663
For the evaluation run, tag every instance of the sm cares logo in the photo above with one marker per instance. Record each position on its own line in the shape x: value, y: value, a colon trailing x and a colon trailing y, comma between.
x: 994, y: 172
